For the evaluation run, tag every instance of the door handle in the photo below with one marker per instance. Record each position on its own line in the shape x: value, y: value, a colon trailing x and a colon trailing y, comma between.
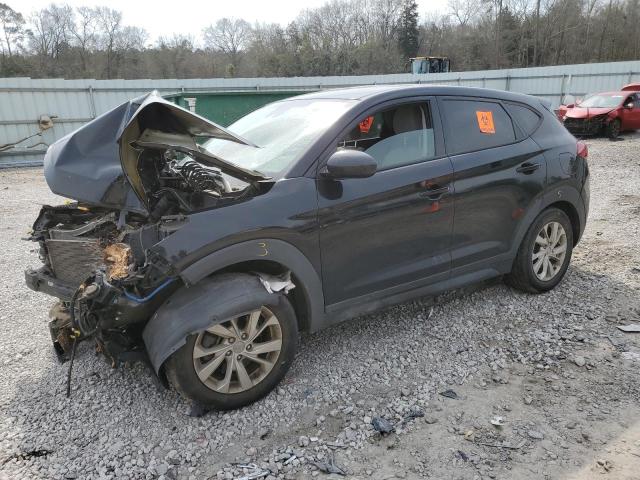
x: 435, y: 192
x: 528, y: 167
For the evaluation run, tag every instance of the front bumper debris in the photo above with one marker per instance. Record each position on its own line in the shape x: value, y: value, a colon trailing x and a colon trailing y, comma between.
x: 41, y: 280
x: 584, y: 126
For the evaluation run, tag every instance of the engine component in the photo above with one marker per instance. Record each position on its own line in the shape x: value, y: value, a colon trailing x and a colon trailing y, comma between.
x: 200, y: 178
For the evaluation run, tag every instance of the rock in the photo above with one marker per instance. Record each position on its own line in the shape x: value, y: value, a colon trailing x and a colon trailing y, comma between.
x: 251, y: 451
x: 528, y: 400
x: 303, y: 441
x: 579, y: 361
x: 535, y: 434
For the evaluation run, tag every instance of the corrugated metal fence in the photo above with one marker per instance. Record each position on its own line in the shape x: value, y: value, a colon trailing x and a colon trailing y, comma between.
x: 73, y: 102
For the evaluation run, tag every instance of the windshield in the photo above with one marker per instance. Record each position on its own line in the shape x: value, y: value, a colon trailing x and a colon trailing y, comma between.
x: 281, y: 130
x: 601, y: 101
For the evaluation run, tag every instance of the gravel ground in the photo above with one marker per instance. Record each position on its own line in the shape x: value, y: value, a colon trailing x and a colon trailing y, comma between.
x: 556, y: 370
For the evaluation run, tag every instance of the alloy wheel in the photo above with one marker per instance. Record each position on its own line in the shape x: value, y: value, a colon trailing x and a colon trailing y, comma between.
x: 549, y: 251
x: 235, y: 355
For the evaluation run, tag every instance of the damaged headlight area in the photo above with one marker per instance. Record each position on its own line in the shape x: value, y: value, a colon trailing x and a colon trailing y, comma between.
x: 101, y: 269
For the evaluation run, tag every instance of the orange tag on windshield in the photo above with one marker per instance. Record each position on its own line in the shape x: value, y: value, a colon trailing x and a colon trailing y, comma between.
x: 365, y: 125
x: 485, y: 122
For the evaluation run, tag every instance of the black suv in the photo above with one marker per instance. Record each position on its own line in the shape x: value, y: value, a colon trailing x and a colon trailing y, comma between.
x: 203, y: 251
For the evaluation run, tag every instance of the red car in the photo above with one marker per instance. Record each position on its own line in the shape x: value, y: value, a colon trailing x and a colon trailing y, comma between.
x: 608, y: 112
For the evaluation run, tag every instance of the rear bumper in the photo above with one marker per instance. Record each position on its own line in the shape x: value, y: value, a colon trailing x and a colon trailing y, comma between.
x: 41, y: 280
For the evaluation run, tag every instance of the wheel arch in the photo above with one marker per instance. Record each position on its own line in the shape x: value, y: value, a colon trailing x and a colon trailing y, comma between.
x: 268, y: 255
x: 570, y: 211
x: 299, y: 296
x: 227, y: 274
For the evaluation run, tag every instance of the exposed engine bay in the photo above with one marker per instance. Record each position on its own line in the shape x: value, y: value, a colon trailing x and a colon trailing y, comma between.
x: 177, y: 185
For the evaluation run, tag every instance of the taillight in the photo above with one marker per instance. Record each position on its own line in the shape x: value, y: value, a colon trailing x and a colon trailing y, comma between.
x: 581, y: 149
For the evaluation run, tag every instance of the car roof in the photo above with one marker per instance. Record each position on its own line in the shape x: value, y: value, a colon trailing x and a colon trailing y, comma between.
x: 613, y: 93
x: 388, y: 92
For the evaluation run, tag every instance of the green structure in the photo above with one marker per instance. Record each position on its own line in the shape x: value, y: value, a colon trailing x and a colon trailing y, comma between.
x: 225, y: 108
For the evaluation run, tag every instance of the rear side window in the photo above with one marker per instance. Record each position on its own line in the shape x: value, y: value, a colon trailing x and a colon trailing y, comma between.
x: 526, y: 118
x: 476, y: 125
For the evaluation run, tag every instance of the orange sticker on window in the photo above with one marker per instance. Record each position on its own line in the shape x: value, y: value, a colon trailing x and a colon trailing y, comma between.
x: 485, y: 122
x: 365, y: 125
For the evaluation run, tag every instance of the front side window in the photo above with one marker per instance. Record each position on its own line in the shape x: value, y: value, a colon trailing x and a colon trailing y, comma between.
x: 476, y: 125
x: 395, y: 136
x: 282, y: 132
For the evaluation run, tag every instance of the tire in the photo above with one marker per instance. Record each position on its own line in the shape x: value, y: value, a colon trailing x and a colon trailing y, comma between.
x: 528, y: 274
x: 183, y: 368
x: 613, y: 129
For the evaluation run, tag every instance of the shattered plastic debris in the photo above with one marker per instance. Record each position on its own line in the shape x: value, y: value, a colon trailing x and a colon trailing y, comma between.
x: 276, y: 283
x: 497, y: 421
x: 255, y: 474
x: 117, y: 257
x: 631, y: 328
x: 330, y: 466
x: 382, y: 425
x: 449, y: 394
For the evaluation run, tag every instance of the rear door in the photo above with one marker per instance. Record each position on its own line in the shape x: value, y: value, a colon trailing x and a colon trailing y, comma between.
x: 390, y: 232
x: 499, y: 175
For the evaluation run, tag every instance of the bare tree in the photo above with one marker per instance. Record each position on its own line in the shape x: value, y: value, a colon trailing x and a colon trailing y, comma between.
x: 85, y: 33
x: 229, y: 36
x: 109, y: 27
x: 464, y: 10
x: 49, y: 35
x: 12, y: 24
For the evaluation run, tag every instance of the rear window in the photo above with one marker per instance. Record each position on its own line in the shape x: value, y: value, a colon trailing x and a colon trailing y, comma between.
x: 476, y: 125
x: 525, y: 117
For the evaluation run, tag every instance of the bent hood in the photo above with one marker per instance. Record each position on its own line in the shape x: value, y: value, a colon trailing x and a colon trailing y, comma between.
x: 581, y: 112
x: 97, y: 164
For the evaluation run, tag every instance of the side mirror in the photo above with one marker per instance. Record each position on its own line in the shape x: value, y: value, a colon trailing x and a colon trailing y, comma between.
x: 349, y: 163
x: 571, y: 105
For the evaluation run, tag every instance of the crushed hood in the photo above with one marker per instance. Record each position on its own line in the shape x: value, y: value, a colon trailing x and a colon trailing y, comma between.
x: 97, y: 164
x: 580, y: 112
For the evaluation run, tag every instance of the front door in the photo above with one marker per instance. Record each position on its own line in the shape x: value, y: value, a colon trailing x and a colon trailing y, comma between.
x: 392, y: 230
x: 631, y: 116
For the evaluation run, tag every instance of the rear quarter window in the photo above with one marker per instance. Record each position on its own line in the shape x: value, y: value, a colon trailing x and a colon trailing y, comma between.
x: 476, y: 125
x: 525, y: 118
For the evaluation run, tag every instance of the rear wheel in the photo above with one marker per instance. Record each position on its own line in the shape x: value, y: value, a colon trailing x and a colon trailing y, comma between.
x: 613, y: 129
x: 238, y: 361
x: 544, y: 255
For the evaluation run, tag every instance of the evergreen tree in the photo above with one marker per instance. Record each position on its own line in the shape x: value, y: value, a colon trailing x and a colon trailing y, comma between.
x: 408, y: 29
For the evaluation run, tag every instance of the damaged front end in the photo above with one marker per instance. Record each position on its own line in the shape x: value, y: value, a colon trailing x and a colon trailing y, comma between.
x: 107, y: 283
x: 135, y: 174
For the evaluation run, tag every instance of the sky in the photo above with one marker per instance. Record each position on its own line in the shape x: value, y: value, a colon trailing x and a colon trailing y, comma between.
x: 191, y: 16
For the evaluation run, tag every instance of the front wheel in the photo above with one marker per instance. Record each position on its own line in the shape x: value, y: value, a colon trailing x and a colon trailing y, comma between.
x: 613, y: 129
x: 238, y: 361
x: 544, y: 255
